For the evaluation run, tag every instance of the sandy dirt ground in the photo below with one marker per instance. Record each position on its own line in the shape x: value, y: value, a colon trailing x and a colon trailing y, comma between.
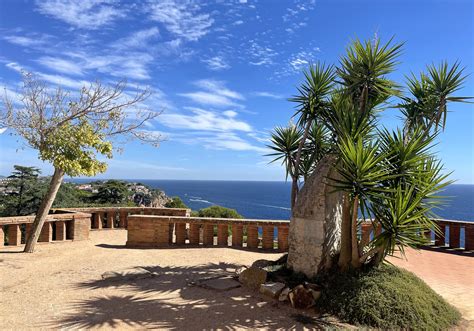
x: 61, y: 286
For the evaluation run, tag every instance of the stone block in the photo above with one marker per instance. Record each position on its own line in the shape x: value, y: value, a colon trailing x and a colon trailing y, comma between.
x: 267, y: 236
x: 222, y: 235
x: 253, y: 277
x: 14, y: 235
x: 252, y: 236
x: 272, y: 289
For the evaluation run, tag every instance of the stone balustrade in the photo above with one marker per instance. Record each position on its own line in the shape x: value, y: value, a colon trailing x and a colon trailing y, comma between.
x: 452, y: 234
x: 153, y: 231
x: 57, y: 227
x: 162, y: 227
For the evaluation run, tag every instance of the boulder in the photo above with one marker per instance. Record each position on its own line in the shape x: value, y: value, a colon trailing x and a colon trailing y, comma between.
x: 128, y: 274
x: 284, y: 294
x: 253, y: 277
x: 272, y: 289
x: 301, y: 298
x: 262, y: 263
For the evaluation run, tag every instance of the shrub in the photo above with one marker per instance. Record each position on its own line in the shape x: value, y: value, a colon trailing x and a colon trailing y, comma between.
x: 176, y: 202
x: 219, y: 212
x: 385, y: 297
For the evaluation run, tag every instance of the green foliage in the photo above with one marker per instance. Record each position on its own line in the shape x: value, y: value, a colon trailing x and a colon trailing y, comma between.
x: 385, y: 297
x: 112, y: 192
x: 219, y: 212
x: 22, y: 195
x: 176, y: 202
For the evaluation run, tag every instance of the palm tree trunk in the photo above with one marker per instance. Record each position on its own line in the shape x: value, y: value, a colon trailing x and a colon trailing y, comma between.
x: 43, y: 211
x: 354, y: 242
x: 345, y: 255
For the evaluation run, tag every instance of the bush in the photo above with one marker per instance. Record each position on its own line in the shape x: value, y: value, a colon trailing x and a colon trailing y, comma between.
x: 385, y: 297
x: 219, y: 212
x: 176, y: 202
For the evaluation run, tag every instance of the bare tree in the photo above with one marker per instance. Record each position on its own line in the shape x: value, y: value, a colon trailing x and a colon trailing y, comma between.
x: 70, y: 130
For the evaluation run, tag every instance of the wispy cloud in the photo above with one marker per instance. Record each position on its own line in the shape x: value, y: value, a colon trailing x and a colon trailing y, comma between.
x: 204, y: 120
x: 32, y: 40
x: 61, y: 65
x: 264, y: 94
x: 213, y: 93
x: 181, y: 18
x: 138, y: 39
x: 216, y: 63
x: 84, y: 14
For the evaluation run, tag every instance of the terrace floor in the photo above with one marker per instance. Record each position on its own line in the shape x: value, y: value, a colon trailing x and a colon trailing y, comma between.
x: 61, y: 286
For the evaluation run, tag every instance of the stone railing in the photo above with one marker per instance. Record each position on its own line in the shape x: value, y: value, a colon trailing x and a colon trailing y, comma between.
x: 75, y: 223
x: 453, y: 234
x: 62, y: 226
x: 157, y: 231
x: 162, y: 227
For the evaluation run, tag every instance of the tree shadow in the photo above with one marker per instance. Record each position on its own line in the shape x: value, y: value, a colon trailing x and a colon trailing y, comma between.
x: 170, y: 300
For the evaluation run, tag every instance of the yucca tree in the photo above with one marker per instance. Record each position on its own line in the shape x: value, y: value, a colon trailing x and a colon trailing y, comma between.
x: 312, y: 99
x: 284, y: 143
x: 392, y: 177
x: 430, y: 94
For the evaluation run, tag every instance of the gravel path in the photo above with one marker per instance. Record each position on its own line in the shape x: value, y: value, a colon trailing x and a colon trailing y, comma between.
x: 61, y: 286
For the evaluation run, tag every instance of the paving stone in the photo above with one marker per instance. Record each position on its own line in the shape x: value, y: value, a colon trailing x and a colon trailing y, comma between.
x: 272, y: 289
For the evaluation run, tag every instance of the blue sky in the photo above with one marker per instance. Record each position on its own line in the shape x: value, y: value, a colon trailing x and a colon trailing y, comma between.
x: 221, y: 71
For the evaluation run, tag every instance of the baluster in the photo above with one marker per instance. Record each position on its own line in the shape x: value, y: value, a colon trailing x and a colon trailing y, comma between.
x: 283, y: 238
x: 180, y: 233
x: 60, y: 230
x: 208, y: 238
x: 237, y: 235
x: 194, y: 233
x: 252, y: 236
x: 268, y: 232
x: 14, y: 235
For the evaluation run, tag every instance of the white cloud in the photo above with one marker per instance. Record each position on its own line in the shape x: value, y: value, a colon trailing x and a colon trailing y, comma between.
x: 261, y: 55
x: 230, y: 141
x: 84, y: 14
x: 61, y: 65
x: 204, y: 120
x: 215, y: 94
x: 181, y: 18
x: 138, y: 39
x: 33, y: 41
x: 264, y: 94
x: 2, y: 130
x: 239, y: 22
x: 216, y: 63
x: 62, y: 81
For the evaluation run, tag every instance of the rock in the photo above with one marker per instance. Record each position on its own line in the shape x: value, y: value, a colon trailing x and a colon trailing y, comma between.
x: 315, y: 290
x: 220, y: 283
x: 239, y: 270
x: 301, y: 297
x: 272, y: 289
x: 253, y: 277
x: 128, y: 274
x: 284, y: 294
x: 316, y: 294
x: 262, y: 263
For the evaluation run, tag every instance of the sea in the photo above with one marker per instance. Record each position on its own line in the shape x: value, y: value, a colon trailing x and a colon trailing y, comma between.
x: 271, y: 200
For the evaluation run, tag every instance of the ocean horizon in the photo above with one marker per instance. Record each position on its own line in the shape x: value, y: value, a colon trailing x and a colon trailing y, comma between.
x: 271, y: 199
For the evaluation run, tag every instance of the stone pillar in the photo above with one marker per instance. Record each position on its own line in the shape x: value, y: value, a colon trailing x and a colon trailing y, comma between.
x: 469, y: 237
x: 2, y: 236
x: 147, y: 232
x: 97, y: 220
x: 170, y: 232
x: 454, y: 235
x: 237, y: 232
x: 252, y: 236
x: 28, y: 227
x: 208, y: 237
x: 46, y: 234
x: 14, y: 235
x: 60, y: 230
x: 110, y: 219
x: 283, y: 238
x: 123, y: 219
x: 315, y: 233
x: 194, y: 233
x: 80, y: 228
x: 267, y: 236
x: 180, y: 233
x: 440, y: 239
x: 223, y: 235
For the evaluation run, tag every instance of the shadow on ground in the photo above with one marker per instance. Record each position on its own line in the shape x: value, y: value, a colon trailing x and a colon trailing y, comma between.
x: 169, y: 301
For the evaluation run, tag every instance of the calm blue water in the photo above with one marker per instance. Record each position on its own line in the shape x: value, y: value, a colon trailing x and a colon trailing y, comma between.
x: 271, y: 200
